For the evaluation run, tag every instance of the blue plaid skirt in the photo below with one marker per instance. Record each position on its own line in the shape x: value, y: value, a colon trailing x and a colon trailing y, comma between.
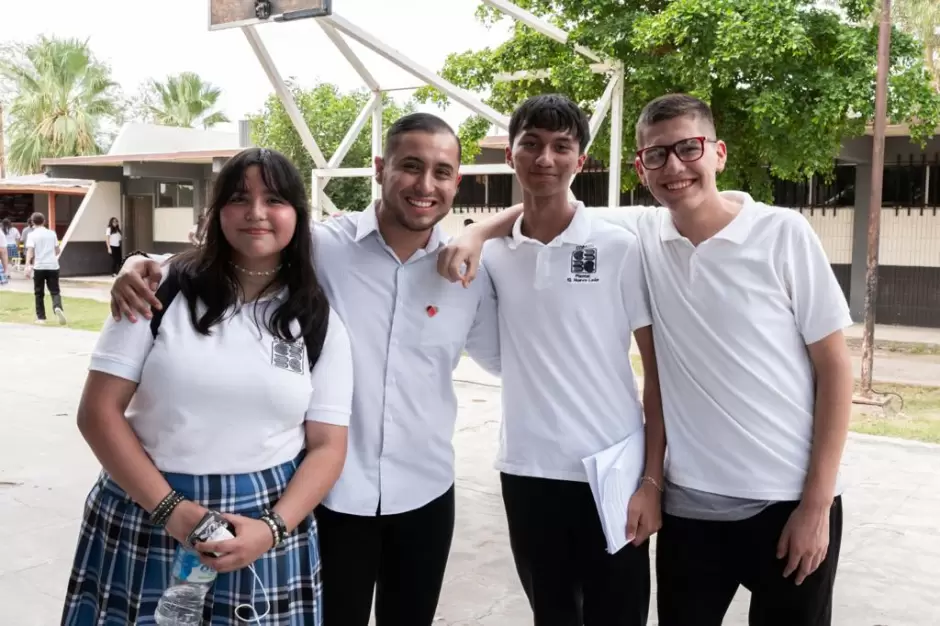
x: 13, y: 251
x: 123, y: 563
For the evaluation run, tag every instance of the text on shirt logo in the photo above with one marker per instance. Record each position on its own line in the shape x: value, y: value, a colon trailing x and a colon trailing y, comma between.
x: 288, y: 356
x: 584, y: 265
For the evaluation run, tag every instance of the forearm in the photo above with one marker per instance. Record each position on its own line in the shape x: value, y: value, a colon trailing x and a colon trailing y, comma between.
x: 121, y: 455
x: 655, y: 430
x: 500, y: 225
x: 313, y: 479
x: 830, y: 430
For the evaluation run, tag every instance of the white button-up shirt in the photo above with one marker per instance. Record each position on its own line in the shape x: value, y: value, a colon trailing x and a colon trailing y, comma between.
x: 408, y: 327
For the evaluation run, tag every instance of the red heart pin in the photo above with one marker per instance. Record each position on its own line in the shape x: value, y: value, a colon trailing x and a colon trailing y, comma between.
x: 431, y: 310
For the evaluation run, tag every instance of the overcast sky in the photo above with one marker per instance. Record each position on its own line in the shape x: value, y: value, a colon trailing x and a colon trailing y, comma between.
x: 141, y: 39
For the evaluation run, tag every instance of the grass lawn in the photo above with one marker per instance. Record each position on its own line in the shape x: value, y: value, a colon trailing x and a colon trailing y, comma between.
x: 83, y: 314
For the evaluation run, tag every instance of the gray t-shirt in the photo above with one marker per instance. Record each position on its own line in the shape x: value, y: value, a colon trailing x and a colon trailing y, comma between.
x: 700, y: 505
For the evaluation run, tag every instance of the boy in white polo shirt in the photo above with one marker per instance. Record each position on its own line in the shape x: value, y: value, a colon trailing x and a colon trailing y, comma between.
x: 42, y: 258
x: 756, y: 382
x: 571, y: 293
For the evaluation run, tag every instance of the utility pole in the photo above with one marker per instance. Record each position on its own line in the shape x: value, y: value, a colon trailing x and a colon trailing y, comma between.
x: 874, y: 204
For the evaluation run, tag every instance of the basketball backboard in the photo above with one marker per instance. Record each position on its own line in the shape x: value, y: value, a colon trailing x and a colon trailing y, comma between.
x: 235, y: 13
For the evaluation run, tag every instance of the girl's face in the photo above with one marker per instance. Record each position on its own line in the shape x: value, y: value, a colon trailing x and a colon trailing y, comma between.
x: 257, y: 223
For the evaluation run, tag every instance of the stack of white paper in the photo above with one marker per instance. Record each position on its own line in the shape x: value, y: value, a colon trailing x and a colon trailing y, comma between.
x: 614, y: 475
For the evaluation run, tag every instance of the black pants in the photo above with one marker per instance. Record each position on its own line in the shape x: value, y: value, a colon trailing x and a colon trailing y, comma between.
x: 41, y: 280
x: 560, y: 552
x: 400, y: 557
x: 700, y: 564
x: 115, y: 259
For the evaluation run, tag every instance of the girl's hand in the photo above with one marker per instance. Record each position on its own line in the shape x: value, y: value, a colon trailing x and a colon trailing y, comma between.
x: 252, y: 539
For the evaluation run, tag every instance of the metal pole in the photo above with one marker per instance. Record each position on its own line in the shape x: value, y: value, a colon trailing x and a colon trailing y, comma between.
x: 616, y: 142
x: 874, y: 204
x: 377, y: 137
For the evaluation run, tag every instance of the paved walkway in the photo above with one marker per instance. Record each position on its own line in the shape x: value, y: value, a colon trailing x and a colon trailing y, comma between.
x: 891, y: 550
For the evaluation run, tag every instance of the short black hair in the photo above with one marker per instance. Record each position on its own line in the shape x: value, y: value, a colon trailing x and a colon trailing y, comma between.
x: 419, y: 123
x: 670, y: 107
x: 38, y: 219
x: 552, y: 112
x: 468, y: 221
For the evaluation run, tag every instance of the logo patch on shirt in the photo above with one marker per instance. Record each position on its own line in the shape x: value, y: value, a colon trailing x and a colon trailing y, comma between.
x: 584, y: 265
x: 288, y: 356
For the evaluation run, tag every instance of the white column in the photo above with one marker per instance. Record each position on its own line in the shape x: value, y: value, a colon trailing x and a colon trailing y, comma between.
x: 616, y: 142
x: 377, y: 136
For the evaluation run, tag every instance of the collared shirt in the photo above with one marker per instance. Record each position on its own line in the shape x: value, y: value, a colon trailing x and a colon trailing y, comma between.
x: 732, y: 319
x: 567, y: 311
x: 408, y: 327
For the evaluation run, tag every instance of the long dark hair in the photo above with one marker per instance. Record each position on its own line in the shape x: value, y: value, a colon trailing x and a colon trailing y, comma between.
x: 206, y: 273
x: 6, y: 224
x: 116, y: 228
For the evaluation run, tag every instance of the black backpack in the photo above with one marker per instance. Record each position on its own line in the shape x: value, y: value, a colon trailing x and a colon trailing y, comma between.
x: 171, y: 287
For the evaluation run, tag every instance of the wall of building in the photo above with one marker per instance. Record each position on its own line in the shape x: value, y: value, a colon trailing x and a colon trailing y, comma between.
x: 83, y: 249
x: 172, y: 224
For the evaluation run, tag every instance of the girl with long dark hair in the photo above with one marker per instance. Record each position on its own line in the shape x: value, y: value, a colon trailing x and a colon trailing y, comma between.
x: 113, y: 238
x: 234, y: 399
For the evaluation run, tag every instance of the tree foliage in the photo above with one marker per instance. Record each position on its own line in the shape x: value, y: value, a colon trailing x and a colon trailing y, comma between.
x: 788, y: 80
x: 329, y: 113
x: 183, y: 99
x: 59, y: 97
x: 921, y: 18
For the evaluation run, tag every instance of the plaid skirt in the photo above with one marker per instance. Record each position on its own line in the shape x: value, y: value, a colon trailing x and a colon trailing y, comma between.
x: 13, y: 251
x: 123, y: 563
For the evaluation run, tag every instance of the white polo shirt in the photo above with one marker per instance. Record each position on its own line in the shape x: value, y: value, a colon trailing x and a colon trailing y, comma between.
x: 567, y: 311
x: 408, y: 327
x: 43, y: 242
x: 732, y: 319
x: 225, y: 403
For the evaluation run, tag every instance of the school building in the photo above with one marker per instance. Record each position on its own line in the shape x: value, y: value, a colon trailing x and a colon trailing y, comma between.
x: 909, y: 252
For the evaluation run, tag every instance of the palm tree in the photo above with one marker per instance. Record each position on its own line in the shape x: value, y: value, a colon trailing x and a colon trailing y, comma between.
x: 61, y: 94
x: 185, y: 100
x: 921, y: 18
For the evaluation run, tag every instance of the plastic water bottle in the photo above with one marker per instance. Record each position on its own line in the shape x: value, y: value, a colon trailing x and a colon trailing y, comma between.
x: 182, y: 602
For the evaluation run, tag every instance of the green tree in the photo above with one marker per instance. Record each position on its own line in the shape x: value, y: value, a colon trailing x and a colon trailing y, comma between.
x: 59, y: 97
x: 921, y: 18
x: 788, y: 80
x: 183, y: 99
x: 329, y: 114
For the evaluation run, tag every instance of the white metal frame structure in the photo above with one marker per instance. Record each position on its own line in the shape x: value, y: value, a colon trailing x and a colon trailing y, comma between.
x: 336, y: 27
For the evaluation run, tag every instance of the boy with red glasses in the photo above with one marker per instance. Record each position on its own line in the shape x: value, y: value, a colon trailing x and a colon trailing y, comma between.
x: 755, y: 376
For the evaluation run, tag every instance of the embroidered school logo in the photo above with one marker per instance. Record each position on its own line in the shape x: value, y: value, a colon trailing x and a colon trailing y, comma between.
x: 288, y: 356
x: 584, y: 265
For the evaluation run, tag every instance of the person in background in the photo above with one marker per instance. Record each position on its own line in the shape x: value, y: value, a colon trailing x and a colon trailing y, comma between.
x: 240, y: 405
x: 468, y: 222
x: 42, y: 260
x: 4, y: 266
x: 24, y: 236
x: 113, y: 239
x: 11, y: 239
x: 197, y: 232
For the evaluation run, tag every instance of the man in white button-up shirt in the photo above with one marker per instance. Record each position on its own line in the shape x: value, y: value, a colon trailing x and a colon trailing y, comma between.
x: 386, y: 527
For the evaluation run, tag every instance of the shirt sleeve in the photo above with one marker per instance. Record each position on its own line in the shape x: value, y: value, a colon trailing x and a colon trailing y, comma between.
x: 626, y: 216
x: 816, y: 297
x: 30, y: 240
x: 483, y: 340
x: 332, y: 378
x: 122, y: 348
x: 636, y: 300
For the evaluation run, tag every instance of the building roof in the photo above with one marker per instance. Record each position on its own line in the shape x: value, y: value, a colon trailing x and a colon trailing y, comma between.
x: 142, y: 143
x: 40, y: 183
x: 495, y: 142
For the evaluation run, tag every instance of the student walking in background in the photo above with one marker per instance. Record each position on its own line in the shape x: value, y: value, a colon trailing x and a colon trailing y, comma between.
x: 42, y: 259
x: 11, y: 239
x: 113, y: 239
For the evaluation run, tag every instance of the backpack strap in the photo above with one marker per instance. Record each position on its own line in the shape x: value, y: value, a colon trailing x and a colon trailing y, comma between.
x: 165, y: 294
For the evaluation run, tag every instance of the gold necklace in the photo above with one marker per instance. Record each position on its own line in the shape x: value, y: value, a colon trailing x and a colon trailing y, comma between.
x: 253, y: 273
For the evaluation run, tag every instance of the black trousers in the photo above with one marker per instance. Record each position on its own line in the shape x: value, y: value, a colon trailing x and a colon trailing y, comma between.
x: 560, y: 552
x: 700, y: 564
x: 400, y: 557
x: 115, y: 259
x: 41, y: 280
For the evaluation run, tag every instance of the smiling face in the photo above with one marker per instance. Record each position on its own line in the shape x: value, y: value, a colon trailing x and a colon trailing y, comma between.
x: 683, y: 185
x: 257, y: 223
x: 419, y: 178
x: 545, y: 161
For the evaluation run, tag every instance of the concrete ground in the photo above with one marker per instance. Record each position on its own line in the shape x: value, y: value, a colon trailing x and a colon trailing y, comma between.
x: 890, y: 569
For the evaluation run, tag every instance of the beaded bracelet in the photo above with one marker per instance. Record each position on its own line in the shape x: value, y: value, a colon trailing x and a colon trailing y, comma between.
x: 134, y: 253
x: 276, y: 523
x: 161, y: 513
